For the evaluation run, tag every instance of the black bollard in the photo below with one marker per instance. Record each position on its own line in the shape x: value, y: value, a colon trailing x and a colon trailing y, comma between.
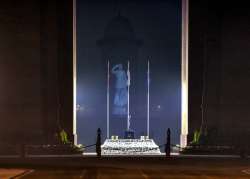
x: 168, y: 144
x: 98, y: 143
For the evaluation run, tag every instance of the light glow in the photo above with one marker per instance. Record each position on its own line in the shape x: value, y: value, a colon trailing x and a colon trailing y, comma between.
x: 184, y: 75
x: 74, y: 73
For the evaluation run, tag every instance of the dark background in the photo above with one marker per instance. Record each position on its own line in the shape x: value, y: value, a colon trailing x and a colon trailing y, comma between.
x: 157, y: 26
x: 36, y: 69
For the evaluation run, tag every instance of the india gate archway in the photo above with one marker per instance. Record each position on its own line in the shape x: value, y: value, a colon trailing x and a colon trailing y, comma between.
x: 130, y: 70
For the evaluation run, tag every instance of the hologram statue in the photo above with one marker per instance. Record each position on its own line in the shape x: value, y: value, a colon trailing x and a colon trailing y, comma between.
x: 121, y: 92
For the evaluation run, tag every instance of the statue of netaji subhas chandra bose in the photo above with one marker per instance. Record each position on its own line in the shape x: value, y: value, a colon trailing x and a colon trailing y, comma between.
x: 121, y: 92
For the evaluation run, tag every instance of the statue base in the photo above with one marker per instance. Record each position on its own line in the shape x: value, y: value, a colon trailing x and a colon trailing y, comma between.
x: 129, y: 134
x: 130, y: 147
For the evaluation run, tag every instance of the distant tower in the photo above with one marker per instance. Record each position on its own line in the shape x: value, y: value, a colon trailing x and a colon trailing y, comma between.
x: 119, y: 42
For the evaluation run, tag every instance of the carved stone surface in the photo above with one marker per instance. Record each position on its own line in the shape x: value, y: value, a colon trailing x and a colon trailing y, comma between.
x: 130, y: 147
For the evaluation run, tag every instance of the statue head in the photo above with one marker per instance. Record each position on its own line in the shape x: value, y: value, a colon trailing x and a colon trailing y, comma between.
x: 120, y: 67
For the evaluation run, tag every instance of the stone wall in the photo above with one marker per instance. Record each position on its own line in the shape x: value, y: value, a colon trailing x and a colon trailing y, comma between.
x: 219, y: 49
x: 35, y: 68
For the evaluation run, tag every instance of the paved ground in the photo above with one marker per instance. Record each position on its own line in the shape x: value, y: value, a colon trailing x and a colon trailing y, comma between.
x: 138, y: 173
x: 131, y: 168
x: 7, y: 173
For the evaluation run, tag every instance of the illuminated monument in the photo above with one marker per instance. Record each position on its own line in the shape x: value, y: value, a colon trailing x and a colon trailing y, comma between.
x: 119, y: 47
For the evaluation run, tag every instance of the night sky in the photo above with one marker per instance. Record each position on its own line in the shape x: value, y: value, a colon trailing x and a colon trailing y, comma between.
x: 157, y: 24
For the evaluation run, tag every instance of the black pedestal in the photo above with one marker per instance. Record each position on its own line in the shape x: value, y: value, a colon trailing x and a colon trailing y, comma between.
x: 129, y: 134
